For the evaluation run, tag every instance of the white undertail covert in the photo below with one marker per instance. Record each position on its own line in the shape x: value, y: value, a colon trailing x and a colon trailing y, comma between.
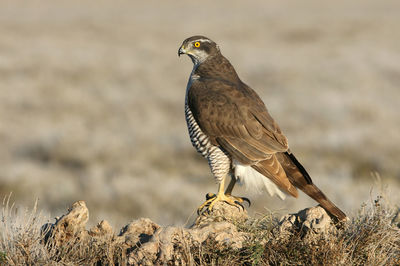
x: 254, y: 181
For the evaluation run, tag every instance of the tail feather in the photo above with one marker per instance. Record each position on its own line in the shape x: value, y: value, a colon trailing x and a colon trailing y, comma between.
x: 299, y: 177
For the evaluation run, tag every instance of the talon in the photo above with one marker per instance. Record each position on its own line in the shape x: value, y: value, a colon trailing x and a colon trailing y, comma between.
x: 247, y: 200
x: 206, y: 203
x: 240, y: 204
x: 200, y: 209
x: 210, y: 196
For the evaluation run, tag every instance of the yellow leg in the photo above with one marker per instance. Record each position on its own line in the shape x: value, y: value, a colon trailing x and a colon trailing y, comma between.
x: 229, y: 189
x: 220, y: 195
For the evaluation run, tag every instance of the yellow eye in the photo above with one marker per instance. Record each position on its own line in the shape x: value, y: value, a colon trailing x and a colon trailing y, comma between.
x: 197, y: 44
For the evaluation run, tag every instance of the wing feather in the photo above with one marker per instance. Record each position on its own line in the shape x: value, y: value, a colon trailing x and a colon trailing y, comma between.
x: 234, y: 117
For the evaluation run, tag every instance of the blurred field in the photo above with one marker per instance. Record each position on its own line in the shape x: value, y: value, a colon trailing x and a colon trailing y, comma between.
x: 92, y: 95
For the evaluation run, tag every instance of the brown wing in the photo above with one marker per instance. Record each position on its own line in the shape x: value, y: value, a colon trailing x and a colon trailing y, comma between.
x: 234, y: 117
x: 235, y: 113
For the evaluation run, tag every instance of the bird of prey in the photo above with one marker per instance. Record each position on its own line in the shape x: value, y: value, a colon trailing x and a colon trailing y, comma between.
x: 230, y: 126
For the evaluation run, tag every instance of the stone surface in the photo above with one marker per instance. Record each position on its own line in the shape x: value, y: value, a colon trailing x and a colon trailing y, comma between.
x: 221, y: 212
x: 101, y: 229
x: 311, y: 223
x: 143, y: 242
x: 70, y: 227
x: 215, y: 226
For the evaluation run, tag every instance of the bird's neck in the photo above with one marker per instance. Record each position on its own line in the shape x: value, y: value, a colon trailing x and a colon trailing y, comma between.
x: 215, y: 67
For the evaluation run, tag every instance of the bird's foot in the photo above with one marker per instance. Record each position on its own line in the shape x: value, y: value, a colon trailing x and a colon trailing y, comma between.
x: 211, y: 199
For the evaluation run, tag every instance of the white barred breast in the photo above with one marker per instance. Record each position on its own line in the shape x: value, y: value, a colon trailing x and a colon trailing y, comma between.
x: 218, y: 161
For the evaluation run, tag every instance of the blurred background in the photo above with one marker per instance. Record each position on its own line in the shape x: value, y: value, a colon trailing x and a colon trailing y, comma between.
x: 92, y: 100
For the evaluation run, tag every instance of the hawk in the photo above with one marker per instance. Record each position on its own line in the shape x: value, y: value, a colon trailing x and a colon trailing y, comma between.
x: 230, y: 126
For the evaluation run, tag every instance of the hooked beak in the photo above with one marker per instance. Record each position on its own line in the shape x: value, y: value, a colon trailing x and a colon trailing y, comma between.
x: 181, y: 50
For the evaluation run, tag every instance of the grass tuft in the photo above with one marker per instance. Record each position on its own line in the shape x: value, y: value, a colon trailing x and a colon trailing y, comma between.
x: 372, y: 237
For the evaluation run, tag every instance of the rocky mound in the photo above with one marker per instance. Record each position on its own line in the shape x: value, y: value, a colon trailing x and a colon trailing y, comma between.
x: 146, y: 243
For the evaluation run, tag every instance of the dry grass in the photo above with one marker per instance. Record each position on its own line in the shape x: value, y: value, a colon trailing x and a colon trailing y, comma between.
x: 370, y: 238
x: 22, y: 242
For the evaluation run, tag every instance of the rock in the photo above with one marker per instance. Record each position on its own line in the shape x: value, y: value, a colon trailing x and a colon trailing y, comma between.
x: 221, y: 212
x: 69, y: 227
x: 168, y: 244
x: 101, y: 229
x: 310, y: 222
x: 165, y: 241
x: 143, y: 242
x: 137, y: 232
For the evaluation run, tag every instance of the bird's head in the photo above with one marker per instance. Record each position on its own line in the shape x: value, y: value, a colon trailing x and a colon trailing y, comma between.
x: 199, y: 48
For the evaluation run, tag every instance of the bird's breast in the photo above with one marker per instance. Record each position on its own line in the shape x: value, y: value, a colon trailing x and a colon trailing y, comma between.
x: 199, y: 140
